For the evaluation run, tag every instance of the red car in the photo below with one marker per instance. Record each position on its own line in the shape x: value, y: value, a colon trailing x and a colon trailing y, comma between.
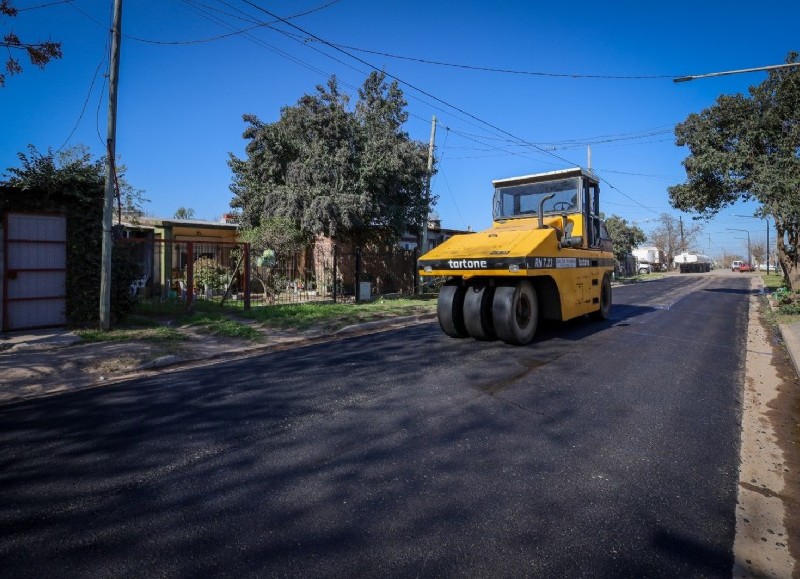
x: 745, y: 267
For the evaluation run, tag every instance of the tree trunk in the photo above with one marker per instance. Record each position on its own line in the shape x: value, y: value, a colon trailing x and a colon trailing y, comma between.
x: 788, y: 252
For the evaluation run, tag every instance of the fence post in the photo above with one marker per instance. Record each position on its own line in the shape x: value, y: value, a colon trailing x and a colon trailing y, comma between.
x: 246, y: 276
x: 416, y: 278
x: 358, y: 275
x: 189, y: 275
x: 334, y: 270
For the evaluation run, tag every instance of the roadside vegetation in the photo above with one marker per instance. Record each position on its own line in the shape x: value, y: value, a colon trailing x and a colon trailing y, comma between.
x: 170, y: 324
x: 787, y: 302
x: 335, y: 316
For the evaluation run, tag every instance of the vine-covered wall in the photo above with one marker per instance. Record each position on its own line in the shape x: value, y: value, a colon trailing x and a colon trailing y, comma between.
x: 83, y: 206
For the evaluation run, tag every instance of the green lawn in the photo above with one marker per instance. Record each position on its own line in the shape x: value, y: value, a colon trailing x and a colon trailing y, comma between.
x: 169, y: 323
x: 328, y: 315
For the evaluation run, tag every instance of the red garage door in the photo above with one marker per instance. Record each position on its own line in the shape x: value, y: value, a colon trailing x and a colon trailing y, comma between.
x: 35, y: 271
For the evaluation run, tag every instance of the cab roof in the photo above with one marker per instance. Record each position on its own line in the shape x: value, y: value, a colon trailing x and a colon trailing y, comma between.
x: 549, y: 176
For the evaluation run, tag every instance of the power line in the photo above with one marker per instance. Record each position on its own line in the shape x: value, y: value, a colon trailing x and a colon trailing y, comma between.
x: 44, y: 5
x: 500, y: 70
x: 85, y: 103
x: 398, y: 79
x: 235, y: 32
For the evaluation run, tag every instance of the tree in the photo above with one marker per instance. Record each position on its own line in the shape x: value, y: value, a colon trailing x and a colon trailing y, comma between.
x: 39, y: 53
x: 748, y: 148
x: 673, y: 236
x: 184, y: 213
x: 354, y: 176
x: 623, y: 236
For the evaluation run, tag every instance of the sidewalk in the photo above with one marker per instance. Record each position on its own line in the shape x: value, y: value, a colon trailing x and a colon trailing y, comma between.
x: 44, y: 362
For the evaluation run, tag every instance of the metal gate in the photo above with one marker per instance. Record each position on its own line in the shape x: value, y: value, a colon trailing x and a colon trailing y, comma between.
x: 35, y: 271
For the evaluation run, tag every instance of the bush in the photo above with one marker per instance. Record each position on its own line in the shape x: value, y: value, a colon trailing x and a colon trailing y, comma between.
x: 210, y: 273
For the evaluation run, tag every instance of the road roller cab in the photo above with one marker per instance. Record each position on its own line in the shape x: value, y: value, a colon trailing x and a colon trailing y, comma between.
x: 547, y: 255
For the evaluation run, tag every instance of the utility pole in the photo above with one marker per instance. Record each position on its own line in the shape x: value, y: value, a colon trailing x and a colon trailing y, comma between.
x: 683, y: 244
x: 108, y: 204
x: 424, y: 243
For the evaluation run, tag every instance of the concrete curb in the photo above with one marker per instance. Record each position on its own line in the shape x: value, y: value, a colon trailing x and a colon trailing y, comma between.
x: 382, y: 324
x: 791, y: 339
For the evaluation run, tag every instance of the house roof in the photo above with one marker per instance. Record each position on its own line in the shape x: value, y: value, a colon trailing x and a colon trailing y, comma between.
x: 189, y: 223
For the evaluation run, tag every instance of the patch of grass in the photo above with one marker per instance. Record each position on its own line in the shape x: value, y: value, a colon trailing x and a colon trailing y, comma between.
x: 158, y: 334
x: 772, y: 282
x: 790, y: 310
x: 208, y: 317
x: 328, y: 315
x: 217, y: 324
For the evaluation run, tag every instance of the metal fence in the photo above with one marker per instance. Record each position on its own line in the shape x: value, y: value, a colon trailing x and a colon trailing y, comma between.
x: 188, y: 271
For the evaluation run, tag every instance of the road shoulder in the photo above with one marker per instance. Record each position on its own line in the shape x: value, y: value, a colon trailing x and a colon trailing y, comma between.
x: 767, y: 517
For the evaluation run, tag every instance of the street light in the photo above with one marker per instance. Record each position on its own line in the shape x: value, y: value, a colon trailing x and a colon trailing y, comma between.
x: 749, y: 253
x: 727, y: 72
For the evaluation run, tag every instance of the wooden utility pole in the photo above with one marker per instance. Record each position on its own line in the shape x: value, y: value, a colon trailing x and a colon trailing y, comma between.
x: 424, y: 243
x: 108, y: 204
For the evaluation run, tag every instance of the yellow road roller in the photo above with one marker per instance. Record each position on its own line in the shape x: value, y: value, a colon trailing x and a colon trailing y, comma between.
x: 547, y: 256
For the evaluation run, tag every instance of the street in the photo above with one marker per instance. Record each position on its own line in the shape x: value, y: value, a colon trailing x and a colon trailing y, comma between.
x: 602, y: 449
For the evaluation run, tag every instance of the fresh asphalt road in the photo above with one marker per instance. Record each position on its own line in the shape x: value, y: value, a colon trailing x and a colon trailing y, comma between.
x: 603, y: 449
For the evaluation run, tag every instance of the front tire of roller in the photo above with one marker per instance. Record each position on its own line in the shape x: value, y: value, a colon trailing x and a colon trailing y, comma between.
x: 515, y: 310
x: 450, y: 310
x: 478, y: 311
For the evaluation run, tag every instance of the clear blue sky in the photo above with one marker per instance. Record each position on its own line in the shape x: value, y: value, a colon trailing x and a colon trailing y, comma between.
x: 181, y: 102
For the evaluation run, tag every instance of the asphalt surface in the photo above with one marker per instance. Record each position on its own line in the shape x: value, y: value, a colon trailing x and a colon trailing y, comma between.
x: 601, y: 450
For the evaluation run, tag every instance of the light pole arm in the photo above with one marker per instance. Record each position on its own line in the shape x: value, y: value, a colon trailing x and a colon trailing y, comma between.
x: 727, y: 72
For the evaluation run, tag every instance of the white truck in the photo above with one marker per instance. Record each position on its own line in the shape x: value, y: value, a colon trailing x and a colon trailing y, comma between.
x: 693, y: 262
x: 649, y: 259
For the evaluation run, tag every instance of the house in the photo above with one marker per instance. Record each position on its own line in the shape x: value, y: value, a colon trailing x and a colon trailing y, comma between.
x: 163, y: 248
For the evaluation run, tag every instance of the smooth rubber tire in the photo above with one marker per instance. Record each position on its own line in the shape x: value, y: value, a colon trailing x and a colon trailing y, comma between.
x: 450, y: 310
x: 478, y: 311
x: 515, y: 313
x: 605, y: 300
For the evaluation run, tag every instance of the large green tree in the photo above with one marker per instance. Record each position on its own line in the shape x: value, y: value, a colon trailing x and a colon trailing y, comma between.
x: 352, y: 175
x: 748, y: 148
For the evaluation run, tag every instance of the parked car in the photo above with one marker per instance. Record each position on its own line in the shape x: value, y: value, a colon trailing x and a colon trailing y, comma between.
x: 745, y: 267
x: 735, y: 265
